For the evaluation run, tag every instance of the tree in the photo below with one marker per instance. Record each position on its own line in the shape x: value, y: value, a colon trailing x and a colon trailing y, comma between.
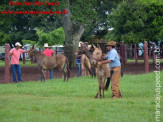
x: 135, y: 21
x: 23, y: 27
x: 57, y: 36
x: 84, y: 16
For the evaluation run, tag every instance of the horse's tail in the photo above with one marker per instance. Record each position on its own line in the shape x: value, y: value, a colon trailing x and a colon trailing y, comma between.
x: 107, y: 83
x: 89, y: 70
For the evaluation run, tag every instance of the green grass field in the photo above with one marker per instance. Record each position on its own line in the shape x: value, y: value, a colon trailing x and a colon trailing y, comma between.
x: 28, y: 63
x: 74, y: 101
x: 142, y: 61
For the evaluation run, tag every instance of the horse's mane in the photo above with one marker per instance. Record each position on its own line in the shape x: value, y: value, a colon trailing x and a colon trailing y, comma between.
x: 36, y: 52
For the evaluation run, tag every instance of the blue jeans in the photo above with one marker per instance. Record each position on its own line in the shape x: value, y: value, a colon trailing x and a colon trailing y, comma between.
x: 79, y: 69
x: 16, y: 68
x: 51, y: 73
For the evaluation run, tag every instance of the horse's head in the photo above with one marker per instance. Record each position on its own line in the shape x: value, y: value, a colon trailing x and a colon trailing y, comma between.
x: 32, y: 52
x: 97, y: 55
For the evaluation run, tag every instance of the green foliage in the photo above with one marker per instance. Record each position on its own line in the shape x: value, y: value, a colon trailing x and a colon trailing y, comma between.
x: 28, y: 42
x: 4, y: 38
x: 22, y: 27
x: 134, y: 21
x: 57, y: 36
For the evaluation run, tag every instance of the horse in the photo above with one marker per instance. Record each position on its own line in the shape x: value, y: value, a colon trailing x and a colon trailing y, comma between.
x: 102, y: 71
x: 85, y: 65
x: 87, y: 55
x: 46, y: 63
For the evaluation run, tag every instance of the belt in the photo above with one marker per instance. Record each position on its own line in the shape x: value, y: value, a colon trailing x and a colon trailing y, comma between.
x: 116, y: 67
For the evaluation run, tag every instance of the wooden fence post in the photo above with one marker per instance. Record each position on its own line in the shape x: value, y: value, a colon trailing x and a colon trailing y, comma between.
x: 122, y: 51
x: 153, y: 53
x: 146, y: 57
x: 7, y: 70
x: 125, y: 54
x: 136, y: 54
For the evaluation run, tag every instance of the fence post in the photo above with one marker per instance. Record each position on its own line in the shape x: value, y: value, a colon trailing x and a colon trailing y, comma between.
x: 146, y: 57
x: 56, y: 50
x: 7, y: 70
x: 153, y: 53
x: 136, y: 54
x: 125, y: 54
x: 122, y: 51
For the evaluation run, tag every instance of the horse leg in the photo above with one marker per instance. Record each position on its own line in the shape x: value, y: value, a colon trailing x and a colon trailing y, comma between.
x: 44, y: 74
x: 64, y: 74
x: 98, y: 89
x: 103, y: 85
x: 97, y: 93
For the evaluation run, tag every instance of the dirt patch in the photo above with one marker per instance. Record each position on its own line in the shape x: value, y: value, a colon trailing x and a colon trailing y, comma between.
x: 33, y: 73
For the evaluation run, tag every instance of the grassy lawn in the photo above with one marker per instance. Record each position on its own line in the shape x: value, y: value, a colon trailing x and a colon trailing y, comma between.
x: 142, y: 61
x: 74, y: 101
x: 28, y: 63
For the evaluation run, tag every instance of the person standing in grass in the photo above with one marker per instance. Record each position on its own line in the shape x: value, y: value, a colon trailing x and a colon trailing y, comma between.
x: 15, y: 56
x: 114, y: 62
x: 48, y: 52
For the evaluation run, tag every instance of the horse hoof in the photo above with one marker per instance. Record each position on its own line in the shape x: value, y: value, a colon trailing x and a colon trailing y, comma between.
x: 96, y: 96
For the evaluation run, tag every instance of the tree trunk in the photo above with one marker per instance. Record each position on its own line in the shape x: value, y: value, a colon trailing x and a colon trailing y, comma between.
x: 73, y: 33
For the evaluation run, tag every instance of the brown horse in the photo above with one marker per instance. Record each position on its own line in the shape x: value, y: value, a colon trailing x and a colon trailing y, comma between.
x: 86, y: 54
x: 102, y: 71
x: 45, y: 63
x: 85, y: 65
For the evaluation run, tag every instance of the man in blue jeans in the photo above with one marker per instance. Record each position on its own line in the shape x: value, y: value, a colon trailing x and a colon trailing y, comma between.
x: 78, y: 62
x: 15, y: 56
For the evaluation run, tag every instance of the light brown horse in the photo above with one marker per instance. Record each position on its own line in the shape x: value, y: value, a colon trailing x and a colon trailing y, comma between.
x: 45, y: 63
x: 102, y: 71
x: 86, y: 55
x: 85, y: 65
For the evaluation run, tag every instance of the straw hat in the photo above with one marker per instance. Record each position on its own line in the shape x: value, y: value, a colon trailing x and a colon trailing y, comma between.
x: 110, y: 43
x: 46, y: 45
x: 18, y: 44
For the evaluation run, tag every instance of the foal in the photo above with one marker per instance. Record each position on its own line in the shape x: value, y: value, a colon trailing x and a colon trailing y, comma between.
x: 102, y: 71
x: 46, y: 63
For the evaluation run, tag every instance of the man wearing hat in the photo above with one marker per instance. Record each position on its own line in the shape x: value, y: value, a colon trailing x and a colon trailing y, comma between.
x: 48, y: 52
x: 114, y: 62
x: 15, y: 56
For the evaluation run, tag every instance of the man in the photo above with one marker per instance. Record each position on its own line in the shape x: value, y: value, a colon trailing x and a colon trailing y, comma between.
x: 48, y: 52
x: 114, y: 62
x: 15, y: 56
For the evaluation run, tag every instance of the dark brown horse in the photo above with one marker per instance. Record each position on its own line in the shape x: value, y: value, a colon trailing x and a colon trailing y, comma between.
x: 102, y: 71
x: 46, y: 63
